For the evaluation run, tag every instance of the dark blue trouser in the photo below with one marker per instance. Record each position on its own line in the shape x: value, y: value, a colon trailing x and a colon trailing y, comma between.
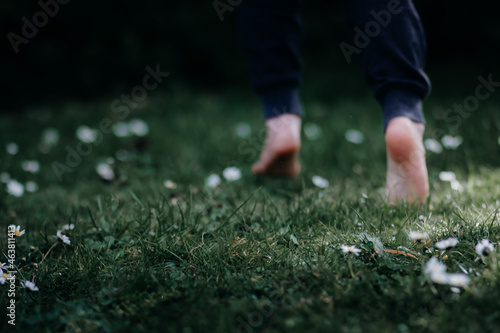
x: 391, y: 48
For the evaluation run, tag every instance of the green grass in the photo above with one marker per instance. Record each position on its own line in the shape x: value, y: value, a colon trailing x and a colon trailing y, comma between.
x: 254, y: 255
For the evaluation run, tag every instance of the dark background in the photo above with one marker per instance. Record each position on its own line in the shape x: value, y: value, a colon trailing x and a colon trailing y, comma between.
x: 96, y: 49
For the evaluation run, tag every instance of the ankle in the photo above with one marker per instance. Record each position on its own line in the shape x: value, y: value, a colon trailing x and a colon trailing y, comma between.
x: 404, y: 139
x: 285, y: 125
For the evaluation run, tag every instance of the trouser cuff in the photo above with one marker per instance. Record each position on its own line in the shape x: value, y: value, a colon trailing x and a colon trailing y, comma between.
x: 281, y: 101
x: 402, y: 103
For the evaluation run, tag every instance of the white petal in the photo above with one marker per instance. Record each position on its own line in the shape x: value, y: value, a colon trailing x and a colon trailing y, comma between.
x: 4, y: 177
x: 458, y: 280
x: 105, y: 171
x: 31, y: 186
x: 50, y: 136
x: 447, y: 176
x: 213, y: 181
x: 484, y: 247
x: 138, y: 127
x: 433, y: 266
x: 232, y: 174
x: 29, y: 285
x: 447, y: 243
x: 433, y: 146
x: 121, y: 130
x: 418, y: 235
x: 320, y: 182
x: 439, y: 277
x: 312, y: 131
x: 12, y: 148
x: 30, y: 166
x: 354, y: 136
x: 15, y: 188
x: 170, y: 184
x: 451, y: 142
x: 86, y: 134
x: 456, y: 186
x: 243, y: 130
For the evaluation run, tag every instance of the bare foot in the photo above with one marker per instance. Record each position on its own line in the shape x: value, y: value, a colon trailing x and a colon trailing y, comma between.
x: 407, y: 178
x: 280, y: 154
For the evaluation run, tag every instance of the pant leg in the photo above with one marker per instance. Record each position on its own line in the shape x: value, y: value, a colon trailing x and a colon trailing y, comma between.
x: 393, y: 60
x: 270, y: 33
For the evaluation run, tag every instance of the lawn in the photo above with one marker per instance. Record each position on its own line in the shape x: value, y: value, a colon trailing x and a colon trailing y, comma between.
x: 250, y: 254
